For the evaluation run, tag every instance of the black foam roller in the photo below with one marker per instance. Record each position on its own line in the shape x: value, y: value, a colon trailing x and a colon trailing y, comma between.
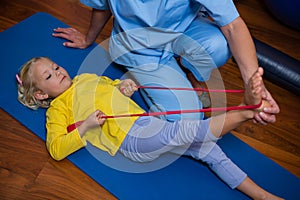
x: 280, y: 68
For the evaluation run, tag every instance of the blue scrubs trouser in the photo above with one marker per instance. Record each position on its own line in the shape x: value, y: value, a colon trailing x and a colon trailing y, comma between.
x: 202, y: 48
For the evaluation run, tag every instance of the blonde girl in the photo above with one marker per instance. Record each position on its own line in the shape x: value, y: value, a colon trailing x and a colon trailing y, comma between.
x: 88, y: 97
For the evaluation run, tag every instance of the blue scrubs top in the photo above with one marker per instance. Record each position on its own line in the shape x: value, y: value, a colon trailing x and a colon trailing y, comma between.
x: 144, y: 29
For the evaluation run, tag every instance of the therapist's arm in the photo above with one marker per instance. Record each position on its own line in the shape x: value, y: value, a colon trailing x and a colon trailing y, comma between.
x: 243, y: 51
x: 242, y: 47
x: 78, y: 40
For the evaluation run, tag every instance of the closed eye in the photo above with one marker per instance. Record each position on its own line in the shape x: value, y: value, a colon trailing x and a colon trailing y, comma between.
x: 48, y: 77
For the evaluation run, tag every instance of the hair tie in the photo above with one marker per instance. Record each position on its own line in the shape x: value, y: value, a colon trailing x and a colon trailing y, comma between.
x: 19, y: 80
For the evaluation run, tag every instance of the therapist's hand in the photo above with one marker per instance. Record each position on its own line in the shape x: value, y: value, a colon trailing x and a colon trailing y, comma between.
x: 74, y: 37
x: 268, y: 113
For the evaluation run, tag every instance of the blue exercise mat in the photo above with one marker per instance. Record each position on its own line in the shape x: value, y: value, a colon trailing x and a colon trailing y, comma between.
x: 184, y: 178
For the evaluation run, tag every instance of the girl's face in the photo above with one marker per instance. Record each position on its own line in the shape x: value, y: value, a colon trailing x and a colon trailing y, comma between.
x: 51, y: 79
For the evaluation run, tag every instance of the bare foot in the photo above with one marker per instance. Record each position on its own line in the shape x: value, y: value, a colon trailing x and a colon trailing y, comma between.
x: 253, y: 91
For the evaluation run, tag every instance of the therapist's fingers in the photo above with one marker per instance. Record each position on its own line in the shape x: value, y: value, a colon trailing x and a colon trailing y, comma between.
x: 75, y: 38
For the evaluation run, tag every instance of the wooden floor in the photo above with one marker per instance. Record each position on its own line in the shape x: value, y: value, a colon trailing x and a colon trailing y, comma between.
x: 27, y: 171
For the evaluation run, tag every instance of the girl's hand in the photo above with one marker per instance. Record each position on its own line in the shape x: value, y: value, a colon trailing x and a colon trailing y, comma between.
x: 74, y: 37
x: 92, y: 121
x: 95, y: 119
x: 127, y: 87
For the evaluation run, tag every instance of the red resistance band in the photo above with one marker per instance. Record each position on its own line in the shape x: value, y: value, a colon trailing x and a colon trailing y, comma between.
x: 190, y: 89
x: 75, y: 125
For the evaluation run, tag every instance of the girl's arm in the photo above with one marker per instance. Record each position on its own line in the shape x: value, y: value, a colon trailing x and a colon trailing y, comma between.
x: 61, y: 143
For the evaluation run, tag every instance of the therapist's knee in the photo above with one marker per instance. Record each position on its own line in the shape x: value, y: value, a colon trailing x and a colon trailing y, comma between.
x: 214, y: 46
x: 218, y: 49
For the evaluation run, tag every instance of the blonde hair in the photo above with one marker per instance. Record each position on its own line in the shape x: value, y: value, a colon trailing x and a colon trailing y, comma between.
x: 27, y: 87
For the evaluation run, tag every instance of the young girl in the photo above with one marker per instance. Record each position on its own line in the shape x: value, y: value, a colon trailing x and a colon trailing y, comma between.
x: 88, y: 98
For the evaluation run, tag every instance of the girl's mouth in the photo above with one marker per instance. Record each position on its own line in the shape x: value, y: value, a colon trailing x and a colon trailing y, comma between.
x: 63, y: 78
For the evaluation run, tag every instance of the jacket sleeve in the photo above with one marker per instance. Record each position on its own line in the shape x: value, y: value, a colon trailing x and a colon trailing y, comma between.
x: 107, y: 80
x: 59, y: 142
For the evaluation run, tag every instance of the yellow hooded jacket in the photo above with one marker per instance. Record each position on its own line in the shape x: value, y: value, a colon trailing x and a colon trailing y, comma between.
x: 88, y: 93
